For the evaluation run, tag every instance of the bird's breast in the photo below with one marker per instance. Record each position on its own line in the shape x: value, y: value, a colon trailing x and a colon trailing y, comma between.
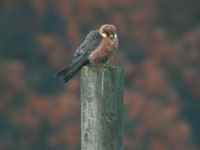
x: 103, y: 52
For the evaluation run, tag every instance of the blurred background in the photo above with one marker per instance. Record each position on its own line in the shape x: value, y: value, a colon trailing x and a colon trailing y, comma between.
x: 159, y: 50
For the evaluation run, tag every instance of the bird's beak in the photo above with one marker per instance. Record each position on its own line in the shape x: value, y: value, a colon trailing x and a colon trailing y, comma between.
x: 111, y: 36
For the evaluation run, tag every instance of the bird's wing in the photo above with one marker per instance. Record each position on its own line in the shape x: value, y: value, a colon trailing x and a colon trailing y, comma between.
x: 92, y: 41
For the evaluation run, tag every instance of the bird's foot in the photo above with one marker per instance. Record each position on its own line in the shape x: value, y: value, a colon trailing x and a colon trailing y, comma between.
x: 99, y: 65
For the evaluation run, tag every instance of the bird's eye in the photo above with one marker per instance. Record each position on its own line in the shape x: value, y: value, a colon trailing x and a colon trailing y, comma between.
x: 107, y: 34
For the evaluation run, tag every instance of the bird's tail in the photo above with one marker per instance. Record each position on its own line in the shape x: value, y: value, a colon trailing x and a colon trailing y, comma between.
x: 69, y: 71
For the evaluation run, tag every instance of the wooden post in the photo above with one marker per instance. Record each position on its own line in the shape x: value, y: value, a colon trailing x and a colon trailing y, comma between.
x: 102, y: 108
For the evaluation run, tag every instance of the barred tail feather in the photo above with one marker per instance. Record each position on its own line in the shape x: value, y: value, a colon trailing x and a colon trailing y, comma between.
x: 69, y: 71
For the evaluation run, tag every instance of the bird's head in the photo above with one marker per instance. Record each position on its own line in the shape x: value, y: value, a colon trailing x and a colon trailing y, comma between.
x: 108, y: 31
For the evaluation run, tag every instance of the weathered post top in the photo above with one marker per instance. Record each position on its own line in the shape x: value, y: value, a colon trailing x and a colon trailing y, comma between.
x: 102, y: 108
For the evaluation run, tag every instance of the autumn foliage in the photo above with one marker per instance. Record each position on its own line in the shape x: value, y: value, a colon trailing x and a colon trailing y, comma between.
x: 159, y: 50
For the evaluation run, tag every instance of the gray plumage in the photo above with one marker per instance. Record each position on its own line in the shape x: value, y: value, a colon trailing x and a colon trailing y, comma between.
x: 92, y: 41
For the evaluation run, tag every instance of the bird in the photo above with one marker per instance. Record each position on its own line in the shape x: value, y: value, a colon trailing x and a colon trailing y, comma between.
x: 98, y: 49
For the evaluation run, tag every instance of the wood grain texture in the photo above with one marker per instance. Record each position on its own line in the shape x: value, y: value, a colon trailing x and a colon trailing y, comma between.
x: 102, y: 108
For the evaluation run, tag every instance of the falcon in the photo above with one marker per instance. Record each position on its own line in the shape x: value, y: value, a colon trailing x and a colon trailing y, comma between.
x: 98, y: 49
